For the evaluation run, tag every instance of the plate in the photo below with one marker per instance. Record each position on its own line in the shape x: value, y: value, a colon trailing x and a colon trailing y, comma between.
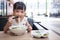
x: 39, y: 33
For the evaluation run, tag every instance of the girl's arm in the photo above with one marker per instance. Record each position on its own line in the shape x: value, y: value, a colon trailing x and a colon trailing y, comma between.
x: 7, y: 25
x: 28, y: 26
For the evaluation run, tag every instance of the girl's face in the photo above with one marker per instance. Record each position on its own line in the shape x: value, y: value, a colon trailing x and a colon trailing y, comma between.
x: 20, y: 13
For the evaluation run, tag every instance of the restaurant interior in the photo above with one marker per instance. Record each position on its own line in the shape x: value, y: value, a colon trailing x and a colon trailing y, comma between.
x: 42, y: 15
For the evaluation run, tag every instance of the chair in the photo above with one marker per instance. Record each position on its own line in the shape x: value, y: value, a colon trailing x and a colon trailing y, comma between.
x: 31, y: 22
x: 3, y: 22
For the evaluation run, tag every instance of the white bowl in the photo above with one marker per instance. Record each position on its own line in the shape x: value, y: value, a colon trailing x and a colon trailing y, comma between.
x: 18, y: 30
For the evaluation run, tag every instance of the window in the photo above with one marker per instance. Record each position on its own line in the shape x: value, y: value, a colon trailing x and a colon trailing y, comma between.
x: 3, y: 7
x: 35, y: 7
x: 55, y: 11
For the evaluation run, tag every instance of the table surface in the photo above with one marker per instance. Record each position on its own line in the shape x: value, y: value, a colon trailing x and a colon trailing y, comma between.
x: 27, y: 36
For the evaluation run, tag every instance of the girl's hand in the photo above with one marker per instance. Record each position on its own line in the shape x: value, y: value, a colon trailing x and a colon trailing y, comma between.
x: 28, y: 26
x: 29, y: 29
x: 10, y: 19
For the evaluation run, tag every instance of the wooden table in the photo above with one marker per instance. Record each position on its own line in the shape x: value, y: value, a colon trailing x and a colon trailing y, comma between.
x: 27, y: 36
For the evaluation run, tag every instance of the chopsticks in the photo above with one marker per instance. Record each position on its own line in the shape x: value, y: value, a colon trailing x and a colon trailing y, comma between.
x: 15, y: 17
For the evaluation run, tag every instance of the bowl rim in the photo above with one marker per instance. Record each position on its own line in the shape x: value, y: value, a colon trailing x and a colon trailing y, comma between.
x: 15, y: 26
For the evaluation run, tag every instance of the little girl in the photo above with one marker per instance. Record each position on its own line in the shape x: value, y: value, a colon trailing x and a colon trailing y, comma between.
x: 19, y: 9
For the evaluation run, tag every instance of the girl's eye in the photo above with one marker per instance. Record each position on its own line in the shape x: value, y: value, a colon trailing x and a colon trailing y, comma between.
x: 17, y: 11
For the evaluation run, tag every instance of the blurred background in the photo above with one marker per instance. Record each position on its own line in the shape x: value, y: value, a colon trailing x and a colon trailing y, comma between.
x: 35, y: 8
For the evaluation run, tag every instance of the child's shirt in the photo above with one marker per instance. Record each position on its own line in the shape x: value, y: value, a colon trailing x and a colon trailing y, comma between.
x: 22, y: 23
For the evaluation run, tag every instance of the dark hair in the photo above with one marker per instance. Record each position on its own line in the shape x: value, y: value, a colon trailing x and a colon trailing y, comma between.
x: 19, y: 5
